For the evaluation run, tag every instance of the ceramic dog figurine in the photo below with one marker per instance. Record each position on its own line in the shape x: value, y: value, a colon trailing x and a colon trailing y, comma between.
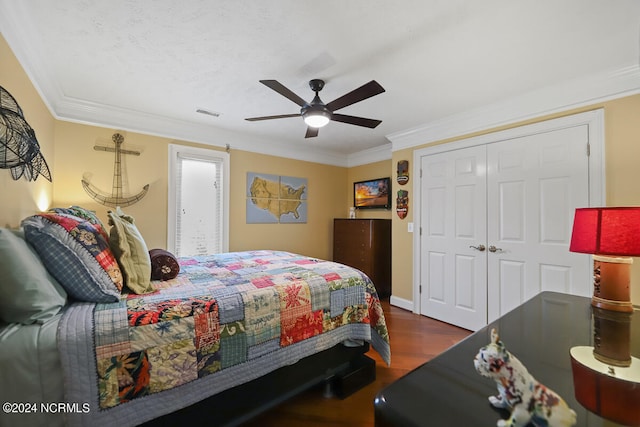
x: 518, y: 390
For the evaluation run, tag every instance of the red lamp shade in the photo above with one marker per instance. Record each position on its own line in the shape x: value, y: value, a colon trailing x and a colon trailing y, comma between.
x: 606, y: 231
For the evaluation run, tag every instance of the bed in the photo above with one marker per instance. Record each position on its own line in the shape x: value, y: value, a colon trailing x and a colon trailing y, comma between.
x: 230, y: 335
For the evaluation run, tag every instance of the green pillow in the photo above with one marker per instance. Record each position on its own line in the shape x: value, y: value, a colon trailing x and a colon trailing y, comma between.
x: 28, y: 293
x: 131, y: 252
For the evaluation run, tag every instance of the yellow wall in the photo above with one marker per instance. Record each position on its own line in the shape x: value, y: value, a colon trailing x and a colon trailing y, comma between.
x: 20, y: 198
x: 326, y: 195
x: 622, y: 157
x: 75, y: 158
x: 401, y: 239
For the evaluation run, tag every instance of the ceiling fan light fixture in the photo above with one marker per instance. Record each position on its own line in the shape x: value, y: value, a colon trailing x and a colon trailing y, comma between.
x: 316, y: 120
x: 316, y: 113
x: 316, y: 116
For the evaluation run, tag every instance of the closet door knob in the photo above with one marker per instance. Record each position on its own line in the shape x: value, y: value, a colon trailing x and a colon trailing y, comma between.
x: 480, y: 248
x: 494, y: 249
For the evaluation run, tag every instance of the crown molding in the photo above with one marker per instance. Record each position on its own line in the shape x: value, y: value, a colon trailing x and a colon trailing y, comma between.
x: 16, y: 33
x: 81, y: 111
x: 576, y: 93
x: 371, y: 155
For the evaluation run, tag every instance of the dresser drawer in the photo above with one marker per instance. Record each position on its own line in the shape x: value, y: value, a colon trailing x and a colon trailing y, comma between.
x: 365, y: 244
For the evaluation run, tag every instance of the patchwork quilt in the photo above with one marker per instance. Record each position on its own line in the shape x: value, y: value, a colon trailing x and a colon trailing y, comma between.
x: 224, y: 320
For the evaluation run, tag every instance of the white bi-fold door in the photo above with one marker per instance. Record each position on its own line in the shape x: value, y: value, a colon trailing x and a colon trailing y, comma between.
x: 535, y: 184
x: 495, y: 224
x: 454, y: 237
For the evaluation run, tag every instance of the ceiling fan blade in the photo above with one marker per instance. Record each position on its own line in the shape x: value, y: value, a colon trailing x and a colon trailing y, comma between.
x: 363, y: 92
x: 311, y: 132
x: 353, y: 120
x: 281, y: 116
x: 282, y: 90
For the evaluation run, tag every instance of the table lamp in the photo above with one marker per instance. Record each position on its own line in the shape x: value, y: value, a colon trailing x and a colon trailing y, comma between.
x: 612, y: 236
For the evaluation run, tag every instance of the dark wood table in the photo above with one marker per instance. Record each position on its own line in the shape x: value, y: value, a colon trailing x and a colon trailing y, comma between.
x: 447, y: 391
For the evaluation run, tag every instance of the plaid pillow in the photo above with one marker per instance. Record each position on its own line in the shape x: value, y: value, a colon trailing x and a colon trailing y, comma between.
x: 77, y: 254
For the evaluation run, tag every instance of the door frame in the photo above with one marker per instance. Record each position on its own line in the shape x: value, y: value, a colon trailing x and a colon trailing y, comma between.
x: 204, y: 154
x: 593, y: 119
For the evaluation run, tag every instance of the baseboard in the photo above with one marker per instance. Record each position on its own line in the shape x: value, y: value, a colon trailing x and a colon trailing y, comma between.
x: 401, y: 302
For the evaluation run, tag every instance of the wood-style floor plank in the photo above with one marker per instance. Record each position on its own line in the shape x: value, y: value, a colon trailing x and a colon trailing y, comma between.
x: 414, y: 340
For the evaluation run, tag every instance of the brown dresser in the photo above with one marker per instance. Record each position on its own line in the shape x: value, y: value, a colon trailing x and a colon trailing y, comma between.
x: 366, y: 245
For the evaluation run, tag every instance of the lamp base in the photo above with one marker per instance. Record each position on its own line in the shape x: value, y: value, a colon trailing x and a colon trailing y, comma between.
x: 612, y: 337
x: 611, y: 283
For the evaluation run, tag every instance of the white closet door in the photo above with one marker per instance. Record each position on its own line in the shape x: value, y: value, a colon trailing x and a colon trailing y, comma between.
x: 534, y: 185
x: 516, y: 197
x: 453, y: 210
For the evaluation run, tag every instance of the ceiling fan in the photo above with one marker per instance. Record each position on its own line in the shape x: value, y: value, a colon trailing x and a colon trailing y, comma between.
x: 316, y: 113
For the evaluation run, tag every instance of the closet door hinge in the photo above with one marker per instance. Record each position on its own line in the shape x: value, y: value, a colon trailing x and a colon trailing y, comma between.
x: 420, y: 173
x: 588, y: 149
x: 420, y: 289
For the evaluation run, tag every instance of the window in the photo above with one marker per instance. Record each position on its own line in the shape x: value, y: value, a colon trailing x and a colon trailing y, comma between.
x: 198, y: 207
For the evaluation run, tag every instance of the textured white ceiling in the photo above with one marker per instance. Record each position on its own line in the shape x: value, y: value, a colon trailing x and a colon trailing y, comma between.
x: 148, y: 65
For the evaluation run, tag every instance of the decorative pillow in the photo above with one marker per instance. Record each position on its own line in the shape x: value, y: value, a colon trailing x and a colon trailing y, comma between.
x: 76, y: 253
x: 85, y: 214
x: 164, y: 265
x: 28, y: 293
x: 131, y: 252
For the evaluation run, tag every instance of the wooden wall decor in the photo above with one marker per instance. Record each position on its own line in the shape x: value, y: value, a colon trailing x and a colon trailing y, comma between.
x: 403, y: 172
x: 402, y: 204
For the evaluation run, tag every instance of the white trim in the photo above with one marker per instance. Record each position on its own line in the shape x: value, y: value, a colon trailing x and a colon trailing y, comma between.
x: 401, y: 303
x: 570, y: 95
x: 372, y: 155
x: 202, y: 153
x: 15, y: 32
x: 593, y: 119
x: 85, y: 112
x: 417, y: 229
x: 81, y: 111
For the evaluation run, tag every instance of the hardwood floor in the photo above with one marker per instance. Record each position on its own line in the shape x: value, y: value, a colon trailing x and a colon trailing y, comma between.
x: 414, y: 340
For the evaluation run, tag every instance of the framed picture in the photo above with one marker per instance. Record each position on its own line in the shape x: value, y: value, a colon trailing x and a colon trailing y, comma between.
x: 372, y: 194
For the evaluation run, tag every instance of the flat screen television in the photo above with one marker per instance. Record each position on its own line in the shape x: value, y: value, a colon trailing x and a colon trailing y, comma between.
x: 372, y: 194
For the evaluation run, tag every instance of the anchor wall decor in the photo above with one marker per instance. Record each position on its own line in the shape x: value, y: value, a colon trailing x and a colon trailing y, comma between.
x: 116, y: 198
